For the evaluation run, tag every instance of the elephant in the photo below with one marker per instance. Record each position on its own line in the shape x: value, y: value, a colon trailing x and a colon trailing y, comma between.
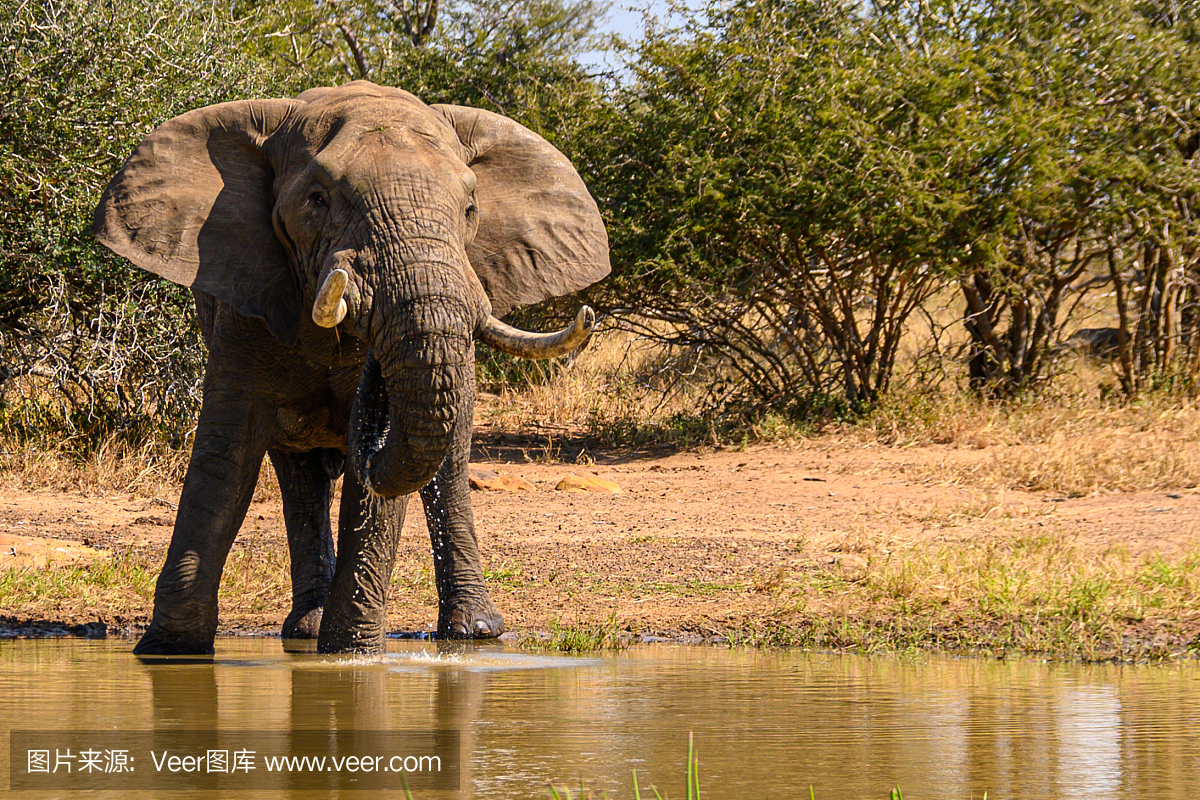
x: 346, y: 248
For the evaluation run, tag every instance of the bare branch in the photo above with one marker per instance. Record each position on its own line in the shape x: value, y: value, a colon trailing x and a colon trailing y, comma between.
x: 360, y: 58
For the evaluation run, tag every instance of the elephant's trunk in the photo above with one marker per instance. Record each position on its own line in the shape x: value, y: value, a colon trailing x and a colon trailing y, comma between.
x: 401, y: 425
x: 413, y: 385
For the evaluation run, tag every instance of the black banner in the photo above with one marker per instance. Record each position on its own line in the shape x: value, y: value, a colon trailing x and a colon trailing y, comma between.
x: 233, y: 760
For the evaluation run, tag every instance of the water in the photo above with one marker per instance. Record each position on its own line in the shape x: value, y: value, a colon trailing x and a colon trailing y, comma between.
x: 766, y: 724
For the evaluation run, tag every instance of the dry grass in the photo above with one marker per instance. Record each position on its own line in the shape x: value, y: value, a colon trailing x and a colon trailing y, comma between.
x: 1074, y: 441
x: 118, y: 587
x: 625, y: 392
x: 621, y: 390
x: 619, y: 393
x: 1117, y: 460
x: 1046, y: 575
x: 148, y: 469
x: 1069, y: 444
x: 114, y: 589
x: 868, y: 587
x: 1033, y: 593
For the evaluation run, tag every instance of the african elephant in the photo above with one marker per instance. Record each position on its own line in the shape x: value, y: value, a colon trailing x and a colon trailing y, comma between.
x: 345, y: 249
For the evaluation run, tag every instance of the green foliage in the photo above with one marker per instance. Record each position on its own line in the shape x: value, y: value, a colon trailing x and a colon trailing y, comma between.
x: 775, y: 208
x: 1072, y: 123
x: 88, y: 342
x: 791, y: 180
x: 786, y: 182
x: 512, y: 58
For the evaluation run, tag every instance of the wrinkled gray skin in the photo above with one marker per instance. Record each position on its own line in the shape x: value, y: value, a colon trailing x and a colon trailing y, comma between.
x: 442, y: 216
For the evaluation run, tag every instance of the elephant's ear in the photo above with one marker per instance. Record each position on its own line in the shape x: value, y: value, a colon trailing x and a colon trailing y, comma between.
x: 193, y: 204
x: 540, y: 233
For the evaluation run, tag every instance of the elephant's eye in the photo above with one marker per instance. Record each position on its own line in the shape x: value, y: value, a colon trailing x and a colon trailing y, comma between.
x: 471, y: 210
x: 317, y: 199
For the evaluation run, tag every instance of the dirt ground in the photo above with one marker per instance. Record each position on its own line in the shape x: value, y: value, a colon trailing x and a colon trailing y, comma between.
x: 695, y: 544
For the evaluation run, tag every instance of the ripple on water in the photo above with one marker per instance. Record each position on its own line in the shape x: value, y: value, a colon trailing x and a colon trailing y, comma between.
x: 468, y: 660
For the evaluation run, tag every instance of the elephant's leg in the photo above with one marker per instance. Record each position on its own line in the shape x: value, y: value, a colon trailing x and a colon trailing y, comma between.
x: 369, y: 528
x: 217, y: 490
x: 306, y: 484
x: 465, y: 611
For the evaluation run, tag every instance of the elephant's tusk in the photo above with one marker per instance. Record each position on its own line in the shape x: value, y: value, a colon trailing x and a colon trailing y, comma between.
x: 516, y: 342
x: 330, y: 307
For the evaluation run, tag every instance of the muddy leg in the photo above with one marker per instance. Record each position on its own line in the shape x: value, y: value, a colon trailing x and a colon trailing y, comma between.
x: 306, y: 483
x: 369, y: 529
x: 220, y: 482
x: 464, y: 609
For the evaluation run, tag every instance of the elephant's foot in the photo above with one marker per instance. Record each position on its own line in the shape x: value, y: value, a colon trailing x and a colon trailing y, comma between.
x: 302, y: 623
x: 157, y: 641
x: 358, y: 633
x: 469, y: 618
x: 353, y: 642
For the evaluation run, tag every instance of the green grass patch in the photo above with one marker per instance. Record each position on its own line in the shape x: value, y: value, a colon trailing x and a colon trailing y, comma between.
x: 115, y: 582
x: 1036, y: 593
x: 507, y: 575
x: 579, y: 638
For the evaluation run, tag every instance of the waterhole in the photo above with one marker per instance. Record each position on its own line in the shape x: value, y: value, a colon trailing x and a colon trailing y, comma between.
x: 764, y: 724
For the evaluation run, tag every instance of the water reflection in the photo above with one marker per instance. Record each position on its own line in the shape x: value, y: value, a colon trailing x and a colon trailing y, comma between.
x: 766, y: 724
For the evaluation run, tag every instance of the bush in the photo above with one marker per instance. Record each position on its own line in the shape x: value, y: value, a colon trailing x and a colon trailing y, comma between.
x: 786, y: 182
x: 778, y: 209
x: 791, y: 180
x: 88, y: 343
x: 1073, y: 123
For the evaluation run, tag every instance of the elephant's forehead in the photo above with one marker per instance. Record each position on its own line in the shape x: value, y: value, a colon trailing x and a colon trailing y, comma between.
x: 375, y: 158
x: 399, y: 120
x: 377, y: 138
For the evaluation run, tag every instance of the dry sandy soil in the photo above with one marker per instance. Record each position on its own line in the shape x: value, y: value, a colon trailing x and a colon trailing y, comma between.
x: 695, y: 544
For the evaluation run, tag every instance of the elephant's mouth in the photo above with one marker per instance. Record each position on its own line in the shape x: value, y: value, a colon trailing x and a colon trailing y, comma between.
x: 370, y: 420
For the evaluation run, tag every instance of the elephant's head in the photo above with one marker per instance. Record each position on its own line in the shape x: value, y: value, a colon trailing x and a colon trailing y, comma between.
x: 361, y: 208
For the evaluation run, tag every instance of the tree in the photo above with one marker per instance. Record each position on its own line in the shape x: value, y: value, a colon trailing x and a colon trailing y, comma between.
x: 1071, y: 127
x: 792, y: 179
x: 777, y: 202
x: 514, y: 57
x: 84, y: 339
x: 420, y: 45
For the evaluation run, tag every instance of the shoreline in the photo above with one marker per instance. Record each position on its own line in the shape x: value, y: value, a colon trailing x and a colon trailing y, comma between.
x: 819, y: 545
x: 1152, y: 649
